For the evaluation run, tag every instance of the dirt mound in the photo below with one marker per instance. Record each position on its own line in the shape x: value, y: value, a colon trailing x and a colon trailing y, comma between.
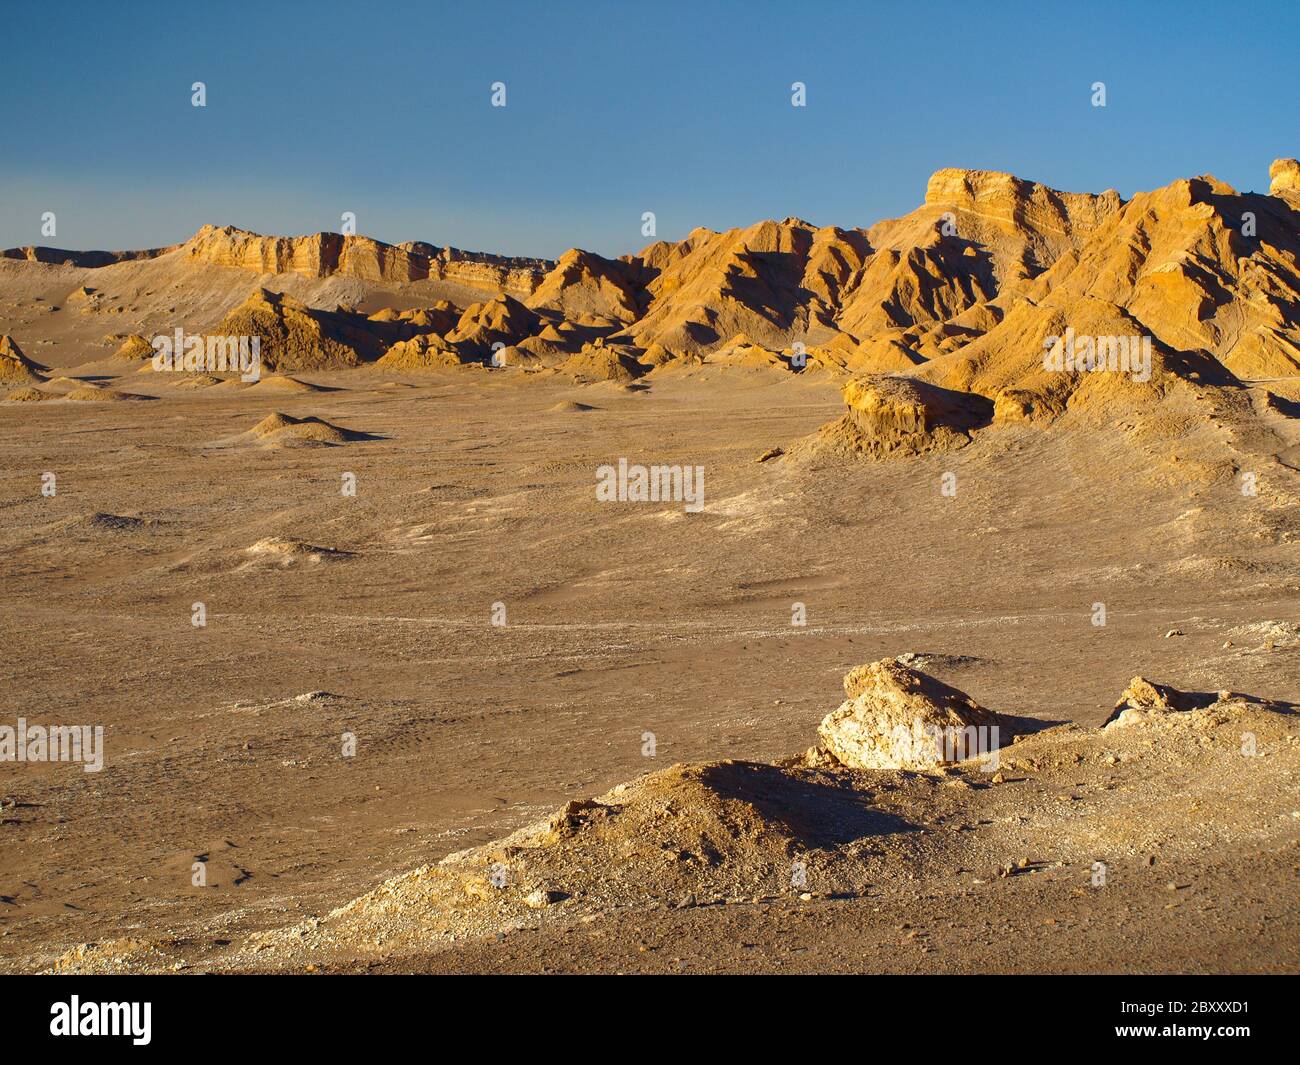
x: 742, y: 352
x: 62, y: 383
x: 134, y: 348
x: 686, y: 835
x: 27, y: 395
x: 569, y: 406
x: 283, y: 552
x: 896, y: 717
x: 92, y: 393
x: 600, y: 363
x: 279, y: 429
x: 283, y: 386
x: 200, y: 380
x: 657, y: 355
x: 548, y: 350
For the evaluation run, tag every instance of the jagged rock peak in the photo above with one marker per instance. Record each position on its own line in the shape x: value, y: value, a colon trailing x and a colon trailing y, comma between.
x: 1284, y: 177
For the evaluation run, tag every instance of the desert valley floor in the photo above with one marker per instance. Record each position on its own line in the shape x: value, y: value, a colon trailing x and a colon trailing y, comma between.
x: 372, y: 615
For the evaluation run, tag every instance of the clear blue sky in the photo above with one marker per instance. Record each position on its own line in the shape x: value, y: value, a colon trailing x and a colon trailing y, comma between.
x: 613, y: 109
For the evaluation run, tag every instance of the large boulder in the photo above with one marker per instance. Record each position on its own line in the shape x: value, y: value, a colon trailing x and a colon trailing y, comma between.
x: 896, y: 717
x: 890, y: 414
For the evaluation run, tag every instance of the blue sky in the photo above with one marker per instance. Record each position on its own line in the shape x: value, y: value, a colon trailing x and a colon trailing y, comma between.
x: 612, y: 110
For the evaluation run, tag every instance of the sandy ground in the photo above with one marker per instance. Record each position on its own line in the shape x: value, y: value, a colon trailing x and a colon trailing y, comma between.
x: 622, y: 619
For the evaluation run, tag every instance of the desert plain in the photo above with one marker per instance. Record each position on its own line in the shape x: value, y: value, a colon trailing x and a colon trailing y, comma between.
x: 444, y: 709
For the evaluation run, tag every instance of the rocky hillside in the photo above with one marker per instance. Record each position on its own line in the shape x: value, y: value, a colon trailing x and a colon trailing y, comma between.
x: 963, y: 293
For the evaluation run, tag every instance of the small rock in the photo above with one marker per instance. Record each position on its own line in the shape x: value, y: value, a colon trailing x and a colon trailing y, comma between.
x: 542, y: 898
x: 1174, y: 632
